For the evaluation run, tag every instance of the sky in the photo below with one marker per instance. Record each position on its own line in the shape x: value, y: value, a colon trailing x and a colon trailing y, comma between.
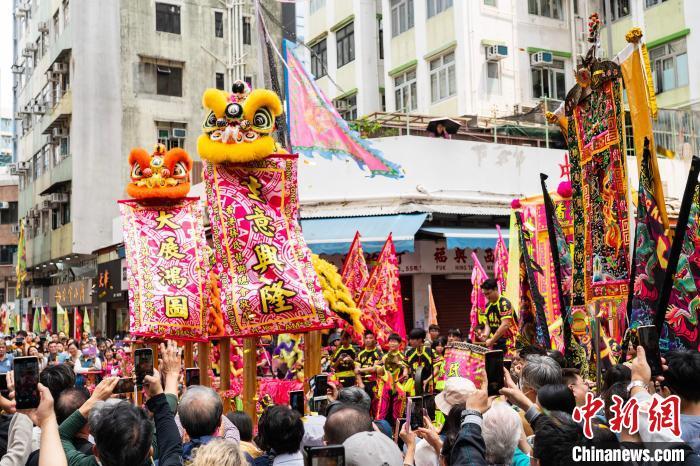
x: 6, y: 18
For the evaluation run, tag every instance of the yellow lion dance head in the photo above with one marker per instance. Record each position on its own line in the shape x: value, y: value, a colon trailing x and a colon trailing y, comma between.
x: 239, y: 124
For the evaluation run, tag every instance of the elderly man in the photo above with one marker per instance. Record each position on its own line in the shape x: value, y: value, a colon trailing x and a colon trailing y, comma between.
x: 537, y: 372
x: 501, y: 429
x: 200, y: 414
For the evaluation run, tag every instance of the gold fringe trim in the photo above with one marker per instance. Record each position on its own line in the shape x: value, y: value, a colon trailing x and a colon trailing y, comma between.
x: 650, y: 83
x: 336, y: 293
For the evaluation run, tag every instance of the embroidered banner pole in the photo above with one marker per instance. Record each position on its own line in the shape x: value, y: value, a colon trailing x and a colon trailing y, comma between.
x: 477, y: 298
x: 500, y: 265
x: 677, y: 317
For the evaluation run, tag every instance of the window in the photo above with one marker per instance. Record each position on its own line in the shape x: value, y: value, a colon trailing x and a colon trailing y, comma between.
x: 347, y: 107
x: 438, y: 6
x: 168, y: 80
x: 650, y: 3
x: 66, y: 13
x: 167, y: 18
x: 405, y: 92
x: 64, y: 147
x: 319, y: 59
x: 65, y: 213
x: 220, y: 81
x: 380, y: 35
x: 493, y: 77
x: 7, y: 251
x: 549, y: 81
x: 316, y: 5
x: 9, y: 216
x: 620, y: 9
x: 46, y: 157
x: 547, y: 8
x: 249, y: 80
x: 492, y: 2
x: 56, y: 26
x: 171, y: 134
x: 401, y: 16
x: 246, y: 30
x: 345, y: 44
x: 443, y: 79
x: 218, y: 24
x: 669, y: 65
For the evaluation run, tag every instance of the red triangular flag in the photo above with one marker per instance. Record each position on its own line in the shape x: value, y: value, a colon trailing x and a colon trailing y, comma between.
x: 355, y: 273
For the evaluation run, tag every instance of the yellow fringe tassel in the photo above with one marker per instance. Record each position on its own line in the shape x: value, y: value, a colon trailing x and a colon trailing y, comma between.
x: 336, y: 293
x: 650, y: 82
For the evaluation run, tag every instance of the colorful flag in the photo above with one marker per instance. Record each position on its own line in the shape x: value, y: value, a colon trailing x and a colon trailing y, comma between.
x: 500, y: 265
x: 680, y: 295
x: 478, y: 299
x: 316, y: 128
x: 529, y: 268
x: 381, y: 301
x: 87, y: 326
x: 268, y: 284
x: 651, y: 250
x: 355, y: 273
x: 432, y: 309
x: 36, y: 327
x: 561, y: 259
x: 165, y: 252
x: 77, y: 324
x: 62, y: 323
x: 21, y: 267
x: 46, y: 319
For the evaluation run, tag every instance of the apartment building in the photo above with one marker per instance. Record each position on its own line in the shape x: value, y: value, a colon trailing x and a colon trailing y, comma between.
x: 94, y: 79
x: 444, y: 57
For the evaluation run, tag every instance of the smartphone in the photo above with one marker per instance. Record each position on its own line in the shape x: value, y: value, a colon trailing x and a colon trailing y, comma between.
x: 296, y: 401
x: 494, y: 371
x: 42, y: 338
x: 143, y: 364
x: 397, y: 429
x: 125, y: 385
x: 429, y: 405
x: 26, y: 382
x: 330, y: 455
x: 507, y: 364
x: 415, y: 412
x: 319, y: 404
x: 3, y: 386
x: 649, y: 339
x: 321, y: 385
x: 191, y: 376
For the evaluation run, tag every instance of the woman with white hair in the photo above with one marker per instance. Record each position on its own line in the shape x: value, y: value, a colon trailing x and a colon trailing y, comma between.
x: 502, y: 430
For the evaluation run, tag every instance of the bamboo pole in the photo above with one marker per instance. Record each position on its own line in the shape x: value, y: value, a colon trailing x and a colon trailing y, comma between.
x: 250, y: 378
x: 225, y: 370
x: 189, y: 354
x: 312, y: 356
x: 203, y: 363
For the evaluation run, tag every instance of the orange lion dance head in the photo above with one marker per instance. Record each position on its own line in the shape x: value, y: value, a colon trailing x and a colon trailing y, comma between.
x: 159, y: 175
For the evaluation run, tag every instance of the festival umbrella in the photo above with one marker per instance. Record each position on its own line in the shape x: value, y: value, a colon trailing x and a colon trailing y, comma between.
x: 451, y: 126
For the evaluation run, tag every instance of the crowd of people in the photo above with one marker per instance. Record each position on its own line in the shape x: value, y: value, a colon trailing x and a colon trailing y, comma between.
x: 530, y: 421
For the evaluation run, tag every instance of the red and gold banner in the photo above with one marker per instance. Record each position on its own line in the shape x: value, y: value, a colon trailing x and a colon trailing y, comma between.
x: 380, y: 302
x: 268, y: 284
x: 465, y: 360
x: 166, y: 268
x: 355, y: 273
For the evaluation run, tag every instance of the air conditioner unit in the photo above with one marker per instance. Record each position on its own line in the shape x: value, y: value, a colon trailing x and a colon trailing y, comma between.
x: 13, y: 169
x: 60, y: 132
x: 59, y: 198
x: 60, y: 67
x: 46, y: 204
x: 541, y: 58
x: 4, y: 205
x: 31, y: 46
x: 22, y: 166
x: 43, y: 26
x: 33, y: 213
x: 52, y: 76
x: 27, y: 52
x: 17, y: 69
x: 179, y: 133
x: 39, y: 109
x: 19, y: 12
x: 496, y: 52
x: 21, y: 114
x: 14, y: 229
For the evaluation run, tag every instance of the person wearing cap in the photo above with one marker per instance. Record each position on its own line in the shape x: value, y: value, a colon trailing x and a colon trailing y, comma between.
x: 456, y: 392
x: 372, y: 448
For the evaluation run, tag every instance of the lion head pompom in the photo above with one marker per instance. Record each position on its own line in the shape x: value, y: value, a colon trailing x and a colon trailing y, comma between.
x: 239, y: 125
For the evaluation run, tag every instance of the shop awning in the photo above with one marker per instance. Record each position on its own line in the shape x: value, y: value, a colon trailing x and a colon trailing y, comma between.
x: 334, y: 235
x: 464, y: 238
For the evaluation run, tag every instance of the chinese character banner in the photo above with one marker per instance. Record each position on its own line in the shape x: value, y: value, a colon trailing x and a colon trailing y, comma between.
x: 165, y: 250
x: 268, y: 284
x: 465, y: 360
